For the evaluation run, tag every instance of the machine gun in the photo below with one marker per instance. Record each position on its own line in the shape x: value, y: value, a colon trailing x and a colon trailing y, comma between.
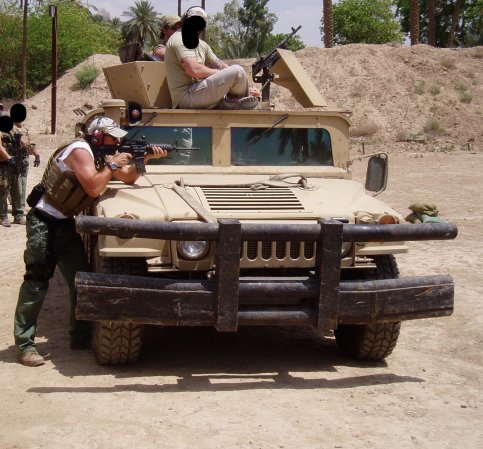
x: 264, y: 63
x: 138, y: 148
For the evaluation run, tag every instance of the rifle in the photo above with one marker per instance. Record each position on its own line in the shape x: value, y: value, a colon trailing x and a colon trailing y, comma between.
x: 12, y: 142
x: 264, y: 63
x: 138, y: 148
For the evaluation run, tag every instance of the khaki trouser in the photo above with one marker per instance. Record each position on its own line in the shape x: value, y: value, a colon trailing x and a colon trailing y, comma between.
x: 63, y: 247
x: 207, y: 93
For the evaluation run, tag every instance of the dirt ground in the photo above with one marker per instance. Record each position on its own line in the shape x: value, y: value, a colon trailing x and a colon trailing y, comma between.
x: 267, y: 387
x: 276, y: 388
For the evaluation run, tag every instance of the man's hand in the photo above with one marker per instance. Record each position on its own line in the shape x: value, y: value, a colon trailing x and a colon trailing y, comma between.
x: 254, y: 92
x: 120, y: 159
x: 157, y: 153
x: 37, y: 160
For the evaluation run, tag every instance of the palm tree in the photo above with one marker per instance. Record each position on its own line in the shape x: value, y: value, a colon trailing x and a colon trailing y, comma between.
x: 431, y: 23
x: 328, y: 24
x: 143, y: 25
x: 454, y: 22
x: 414, y: 21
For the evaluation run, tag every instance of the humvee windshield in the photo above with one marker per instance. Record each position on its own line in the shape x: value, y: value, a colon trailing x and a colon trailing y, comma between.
x: 280, y: 146
x: 249, y: 145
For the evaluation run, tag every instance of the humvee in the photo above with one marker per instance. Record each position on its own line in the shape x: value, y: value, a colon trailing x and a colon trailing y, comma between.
x: 261, y: 225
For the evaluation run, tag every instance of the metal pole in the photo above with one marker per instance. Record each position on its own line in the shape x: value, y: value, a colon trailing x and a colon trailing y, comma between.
x: 53, y: 14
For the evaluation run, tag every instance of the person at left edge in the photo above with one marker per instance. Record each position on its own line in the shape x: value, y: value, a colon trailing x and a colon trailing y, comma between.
x: 71, y: 172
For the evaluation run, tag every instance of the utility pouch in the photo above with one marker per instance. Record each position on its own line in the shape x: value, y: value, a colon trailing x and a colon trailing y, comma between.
x: 35, y: 195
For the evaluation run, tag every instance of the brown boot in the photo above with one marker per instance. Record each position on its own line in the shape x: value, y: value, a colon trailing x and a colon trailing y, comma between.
x: 30, y: 358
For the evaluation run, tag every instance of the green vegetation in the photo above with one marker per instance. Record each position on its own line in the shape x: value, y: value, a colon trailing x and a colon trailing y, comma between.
x: 365, y: 21
x: 469, y: 32
x: 78, y: 37
x: 86, y: 75
x: 420, y: 87
x: 433, y: 126
x: 464, y: 94
x: 143, y: 26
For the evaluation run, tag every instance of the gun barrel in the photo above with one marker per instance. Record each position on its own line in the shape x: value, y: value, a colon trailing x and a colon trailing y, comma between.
x: 168, y: 147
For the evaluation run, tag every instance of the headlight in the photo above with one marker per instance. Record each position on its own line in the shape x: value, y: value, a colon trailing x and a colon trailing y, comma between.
x: 192, y: 250
x: 387, y: 219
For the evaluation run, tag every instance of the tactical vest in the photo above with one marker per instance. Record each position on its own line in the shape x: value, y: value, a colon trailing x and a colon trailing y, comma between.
x: 62, y: 189
x: 9, y: 143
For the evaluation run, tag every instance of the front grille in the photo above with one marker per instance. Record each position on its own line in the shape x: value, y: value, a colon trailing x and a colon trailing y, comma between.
x: 245, y: 199
x: 277, y: 251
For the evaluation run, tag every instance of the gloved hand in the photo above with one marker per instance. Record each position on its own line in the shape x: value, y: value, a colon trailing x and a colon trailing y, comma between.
x: 37, y: 160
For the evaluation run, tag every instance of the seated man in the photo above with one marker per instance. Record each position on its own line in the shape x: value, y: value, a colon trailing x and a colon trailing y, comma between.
x: 197, y: 78
x: 169, y: 25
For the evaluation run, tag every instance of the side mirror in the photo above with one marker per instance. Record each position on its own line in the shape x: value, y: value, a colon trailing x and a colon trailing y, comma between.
x: 376, y: 176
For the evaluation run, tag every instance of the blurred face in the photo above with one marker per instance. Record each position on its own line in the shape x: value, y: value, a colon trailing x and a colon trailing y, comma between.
x: 170, y: 30
x: 110, y: 140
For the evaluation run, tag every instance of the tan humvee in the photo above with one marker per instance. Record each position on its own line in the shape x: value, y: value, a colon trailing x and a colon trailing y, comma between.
x: 260, y: 225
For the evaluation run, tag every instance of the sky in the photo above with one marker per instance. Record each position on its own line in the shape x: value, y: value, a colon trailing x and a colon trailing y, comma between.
x: 290, y: 13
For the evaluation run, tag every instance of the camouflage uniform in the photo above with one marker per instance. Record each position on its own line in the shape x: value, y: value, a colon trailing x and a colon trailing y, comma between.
x: 51, y: 242
x: 10, y: 179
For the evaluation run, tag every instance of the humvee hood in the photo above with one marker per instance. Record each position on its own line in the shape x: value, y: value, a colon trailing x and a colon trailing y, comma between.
x: 155, y: 198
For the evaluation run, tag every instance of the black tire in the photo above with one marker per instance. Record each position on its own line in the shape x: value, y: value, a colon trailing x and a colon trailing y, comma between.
x: 371, y: 342
x: 117, y: 342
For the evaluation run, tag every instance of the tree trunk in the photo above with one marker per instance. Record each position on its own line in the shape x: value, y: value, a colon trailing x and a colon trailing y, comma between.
x: 414, y: 21
x: 454, y: 22
x: 431, y: 23
x: 328, y: 25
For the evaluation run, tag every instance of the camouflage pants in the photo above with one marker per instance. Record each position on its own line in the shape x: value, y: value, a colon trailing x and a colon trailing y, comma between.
x: 10, y: 183
x: 48, y: 246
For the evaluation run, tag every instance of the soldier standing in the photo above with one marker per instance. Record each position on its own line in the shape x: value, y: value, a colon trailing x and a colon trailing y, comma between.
x: 71, y: 182
x: 27, y: 149
x: 9, y: 180
x: 14, y: 162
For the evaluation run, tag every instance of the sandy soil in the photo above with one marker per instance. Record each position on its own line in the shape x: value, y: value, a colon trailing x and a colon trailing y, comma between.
x: 267, y: 387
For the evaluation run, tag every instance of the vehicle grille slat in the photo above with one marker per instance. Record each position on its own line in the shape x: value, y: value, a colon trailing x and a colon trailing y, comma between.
x: 243, y: 198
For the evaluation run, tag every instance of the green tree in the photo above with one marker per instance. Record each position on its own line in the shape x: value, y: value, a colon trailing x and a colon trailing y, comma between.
x: 143, y: 24
x: 78, y: 37
x: 467, y: 25
x: 237, y: 32
x: 225, y: 33
x: 258, y: 23
x: 365, y: 21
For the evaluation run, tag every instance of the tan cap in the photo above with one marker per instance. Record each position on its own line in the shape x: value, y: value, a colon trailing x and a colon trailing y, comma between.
x: 107, y: 126
x: 169, y: 21
x: 197, y: 11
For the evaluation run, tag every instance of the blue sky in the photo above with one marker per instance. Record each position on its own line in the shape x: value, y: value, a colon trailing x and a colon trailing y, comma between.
x: 290, y: 13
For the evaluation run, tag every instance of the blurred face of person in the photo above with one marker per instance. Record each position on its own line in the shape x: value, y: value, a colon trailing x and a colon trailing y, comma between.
x: 170, y: 30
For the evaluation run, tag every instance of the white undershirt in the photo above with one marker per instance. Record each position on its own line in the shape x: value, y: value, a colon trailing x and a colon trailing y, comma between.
x: 42, y: 204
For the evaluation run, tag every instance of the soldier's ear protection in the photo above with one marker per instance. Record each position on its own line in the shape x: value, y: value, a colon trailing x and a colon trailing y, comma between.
x: 97, y: 136
x: 190, y: 28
